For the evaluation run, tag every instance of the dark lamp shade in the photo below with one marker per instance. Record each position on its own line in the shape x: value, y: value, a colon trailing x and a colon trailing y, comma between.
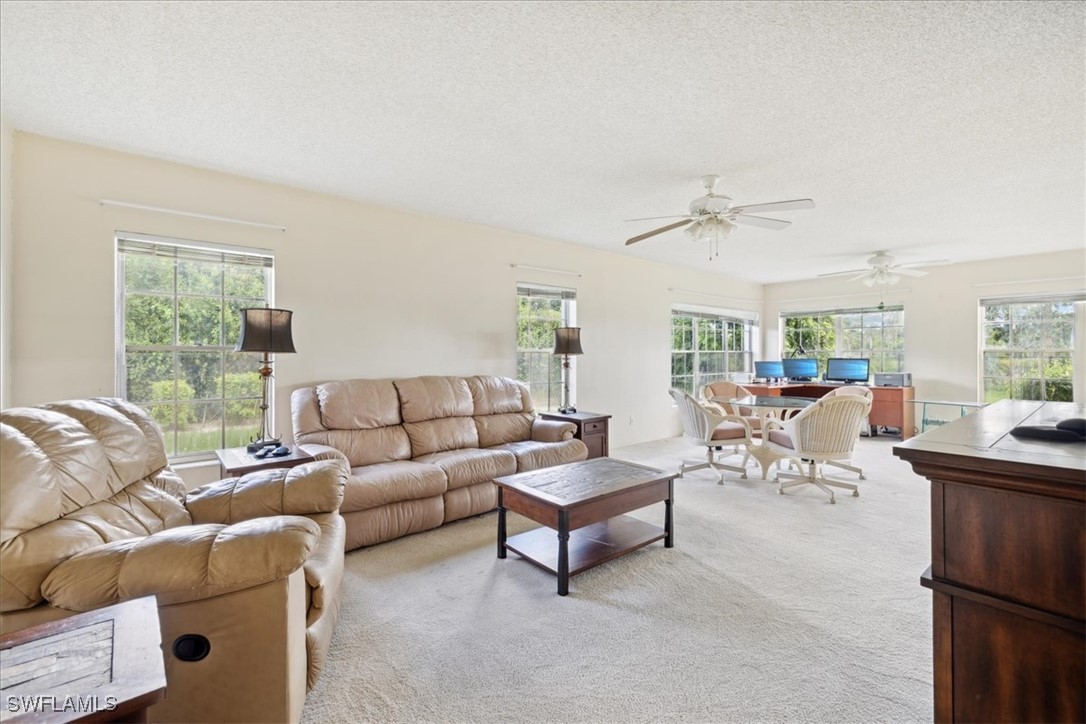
x: 567, y: 340
x: 265, y: 330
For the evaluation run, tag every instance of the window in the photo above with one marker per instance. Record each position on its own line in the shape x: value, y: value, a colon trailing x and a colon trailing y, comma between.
x: 877, y: 334
x: 541, y: 310
x: 177, y: 326
x: 1028, y: 347
x: 707, y: 346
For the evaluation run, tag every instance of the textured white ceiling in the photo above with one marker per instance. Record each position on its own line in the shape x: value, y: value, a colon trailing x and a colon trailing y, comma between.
x: 946, y: 130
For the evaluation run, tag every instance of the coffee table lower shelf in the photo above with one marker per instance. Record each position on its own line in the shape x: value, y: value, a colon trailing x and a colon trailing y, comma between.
x: 589, y: 546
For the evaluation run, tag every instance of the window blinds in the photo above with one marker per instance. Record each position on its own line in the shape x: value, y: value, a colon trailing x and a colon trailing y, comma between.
x: 144, y: 245
x: 541, y: 292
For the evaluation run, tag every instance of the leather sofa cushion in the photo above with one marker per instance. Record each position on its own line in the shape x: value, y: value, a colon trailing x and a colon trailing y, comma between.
x: 533, y: 455
x: 430, y: 398
x: 498, y: 395
x: 358, y: 404
x: 183, y: 564
x: 372, y: 486
x: 77, y: 453
x: 450, y: 433
x: 27, y: 559
x: 315, y: 487
x: 468, y: 467
x: 496, y: 429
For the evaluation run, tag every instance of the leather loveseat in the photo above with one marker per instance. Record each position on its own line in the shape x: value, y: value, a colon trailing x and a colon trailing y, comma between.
x: 424, y: 451
x: 91, y: 515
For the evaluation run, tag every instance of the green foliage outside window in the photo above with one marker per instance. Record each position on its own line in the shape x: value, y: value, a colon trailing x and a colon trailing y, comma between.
x: 1028, y: 351
x: 537, y: 365
x: 878, y: 335
x: 706, y: 348
x: 181, y: 321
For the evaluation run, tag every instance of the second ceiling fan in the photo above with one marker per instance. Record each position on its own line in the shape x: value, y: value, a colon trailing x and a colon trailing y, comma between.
x: 883, y: 271
x: 712, y: 217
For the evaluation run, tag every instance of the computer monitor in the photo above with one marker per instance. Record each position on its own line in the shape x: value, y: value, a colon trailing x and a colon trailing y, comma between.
x: 800, y: 369
x: 769, y: 370
x: 839, y: 369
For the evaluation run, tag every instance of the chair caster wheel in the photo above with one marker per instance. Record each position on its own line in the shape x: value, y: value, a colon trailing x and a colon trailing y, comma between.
x: 743, y: 476
x: 832, y: 501
x: 855, y: 493
x: 863, y: 477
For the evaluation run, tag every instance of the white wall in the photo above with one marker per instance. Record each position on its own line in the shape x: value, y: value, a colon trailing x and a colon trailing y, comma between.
x: 7, y: 143
x: 376, y: 292
x: 942, y: 332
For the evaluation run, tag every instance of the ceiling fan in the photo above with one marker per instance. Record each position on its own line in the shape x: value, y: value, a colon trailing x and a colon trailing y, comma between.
x: 712, y: 217
x: 882, y: 270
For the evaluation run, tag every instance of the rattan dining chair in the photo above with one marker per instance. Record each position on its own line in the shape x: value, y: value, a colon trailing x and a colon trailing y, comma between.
x: 703, y: 426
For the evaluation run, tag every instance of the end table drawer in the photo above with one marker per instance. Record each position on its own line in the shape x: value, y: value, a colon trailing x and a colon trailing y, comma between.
x: 595, y: 426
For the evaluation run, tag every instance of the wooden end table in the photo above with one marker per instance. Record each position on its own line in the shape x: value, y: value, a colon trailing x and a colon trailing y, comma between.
x: 237, y: 461
x: 100, y: 666
x: 584, y: 502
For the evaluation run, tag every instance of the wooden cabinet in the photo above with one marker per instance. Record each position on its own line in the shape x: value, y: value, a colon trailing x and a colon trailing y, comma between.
x: 890, y: 406
x: 592, y: 430
x: 1008, y: 565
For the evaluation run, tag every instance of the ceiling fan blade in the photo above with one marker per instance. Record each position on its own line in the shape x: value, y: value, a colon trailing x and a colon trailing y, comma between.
x: 654, y: 218
x: 933, y: 262
x: 760, y: 221
x: 654, y: 232
x: 793, y: 205
x: 908, y: 272
x: 846, y: 273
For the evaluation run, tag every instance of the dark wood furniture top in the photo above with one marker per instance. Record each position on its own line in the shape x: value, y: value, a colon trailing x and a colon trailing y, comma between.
x: 584, y: 502
x: 1008, y: 571
x: 592, y: 430
x: 100, y: 666
x: 238, y: 461
x: 890, y: 406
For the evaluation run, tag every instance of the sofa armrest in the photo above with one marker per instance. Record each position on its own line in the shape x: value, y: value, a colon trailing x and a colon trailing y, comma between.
x: 182, y: 564
x: 315, y: 487
x: 552, y: 430
x: 324, y: 452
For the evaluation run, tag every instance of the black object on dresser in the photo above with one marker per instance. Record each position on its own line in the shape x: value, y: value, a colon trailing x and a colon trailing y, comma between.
x: 591, y: 430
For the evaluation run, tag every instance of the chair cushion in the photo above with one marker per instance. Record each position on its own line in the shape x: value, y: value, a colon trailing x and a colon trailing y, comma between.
x: 781, y: 438
x: 471, y: 466
x: 729, y: 431
x: 372, y: 486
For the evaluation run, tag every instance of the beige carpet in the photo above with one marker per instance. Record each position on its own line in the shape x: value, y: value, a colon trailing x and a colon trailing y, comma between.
x: 769, y: 608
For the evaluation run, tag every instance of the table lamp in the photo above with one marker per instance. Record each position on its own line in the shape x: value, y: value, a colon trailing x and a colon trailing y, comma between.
x: 567, y: 341
x: 266, y: 331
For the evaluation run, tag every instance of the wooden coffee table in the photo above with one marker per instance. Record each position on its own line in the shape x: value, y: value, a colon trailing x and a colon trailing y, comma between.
x: 585, y: 503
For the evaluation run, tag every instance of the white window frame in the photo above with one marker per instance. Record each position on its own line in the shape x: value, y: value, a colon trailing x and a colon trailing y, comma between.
x: 1077, y: 351
x: 552, y: 398
x: 125, y: 243
x: 750, y: 335
x: 839, y: 336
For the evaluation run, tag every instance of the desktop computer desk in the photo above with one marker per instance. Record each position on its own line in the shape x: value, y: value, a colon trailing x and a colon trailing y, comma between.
x: 890, y: 406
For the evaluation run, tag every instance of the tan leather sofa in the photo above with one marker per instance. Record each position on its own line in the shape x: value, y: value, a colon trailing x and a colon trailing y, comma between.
x: 424, y: 451
x: 91, y: 514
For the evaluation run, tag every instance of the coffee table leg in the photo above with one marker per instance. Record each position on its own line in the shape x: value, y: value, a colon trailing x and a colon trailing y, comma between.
x: 563, y: 553
x: 669, y: 526
x: 501, y: 524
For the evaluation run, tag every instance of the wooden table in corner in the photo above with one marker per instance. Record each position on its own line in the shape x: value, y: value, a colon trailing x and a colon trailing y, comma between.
x: 100, y: 666
x: 584, y: 502
x: 236, y: 461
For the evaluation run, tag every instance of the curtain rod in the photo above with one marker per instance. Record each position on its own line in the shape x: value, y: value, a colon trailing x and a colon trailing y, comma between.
x: 546, y: 269
x: 191, y: 214
x: 715, y: 296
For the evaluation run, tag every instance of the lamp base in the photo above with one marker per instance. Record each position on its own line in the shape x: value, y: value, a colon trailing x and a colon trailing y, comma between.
x: 567, y: 409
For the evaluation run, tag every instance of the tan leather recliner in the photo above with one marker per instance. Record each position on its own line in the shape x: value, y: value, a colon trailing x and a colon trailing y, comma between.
x: 91, y: 515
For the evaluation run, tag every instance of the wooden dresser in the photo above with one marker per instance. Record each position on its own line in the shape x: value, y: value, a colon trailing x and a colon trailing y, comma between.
x: 1008, y: 569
